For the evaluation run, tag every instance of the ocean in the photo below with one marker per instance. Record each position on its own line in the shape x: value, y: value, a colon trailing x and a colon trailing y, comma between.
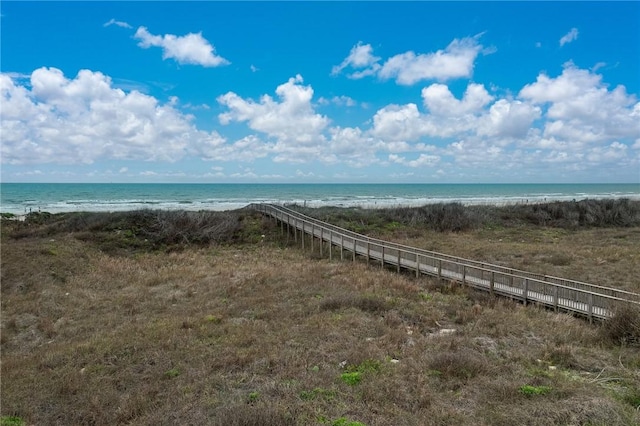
x: 21, y: 198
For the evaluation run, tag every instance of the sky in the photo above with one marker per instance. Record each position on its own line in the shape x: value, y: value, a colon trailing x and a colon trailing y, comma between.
x: 306, y: 92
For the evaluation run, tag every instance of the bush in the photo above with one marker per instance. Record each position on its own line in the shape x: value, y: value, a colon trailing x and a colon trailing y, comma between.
x: 529, y: 390
x: 460, y: 364
x: 624, y: 327
x: 141, y: 229
x: 456, y: 217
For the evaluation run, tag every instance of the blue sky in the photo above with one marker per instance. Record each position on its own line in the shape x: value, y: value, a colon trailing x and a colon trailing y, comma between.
x: 320, y: 92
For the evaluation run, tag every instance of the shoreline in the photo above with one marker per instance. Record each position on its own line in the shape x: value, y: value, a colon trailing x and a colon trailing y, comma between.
x: 59, y: 198
x: 21, y: 214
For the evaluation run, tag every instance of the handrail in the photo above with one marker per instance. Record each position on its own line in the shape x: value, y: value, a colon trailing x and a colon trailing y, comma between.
x: 591, y: 300
x: 634, y: 296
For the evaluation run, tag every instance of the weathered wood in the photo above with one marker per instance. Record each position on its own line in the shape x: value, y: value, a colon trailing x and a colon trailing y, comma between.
x: 330, y: 245
x: 354, y: 249
x: 492, y: 283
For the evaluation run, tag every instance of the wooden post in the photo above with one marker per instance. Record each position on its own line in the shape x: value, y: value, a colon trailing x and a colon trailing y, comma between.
x: 295, y: 230
x: 341, y: 247
x: 382, y: 258
x: 302, y: 235
x: 321, y: 240
x: 491, y: 283
x: 330, y: 245
x: 439, y: 269
x: 590, y: 307
x: 354, y: 249
x: 464, y: 274
x: 368, y: 250
x: 417, y: 265
x: 555, y: 298
x: 525, y: 292
x: 399, y: 254
x: 313, y: 232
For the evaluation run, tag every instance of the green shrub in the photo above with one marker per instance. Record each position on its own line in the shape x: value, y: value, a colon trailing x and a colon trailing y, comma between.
x: 174, y: 372
x: 11, y: 421
x: 529, y: 390
x: 351, y: 378
x: 342, y: 421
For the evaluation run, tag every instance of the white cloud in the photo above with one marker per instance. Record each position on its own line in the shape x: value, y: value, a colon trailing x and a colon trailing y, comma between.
x: 573, y: 120
x: 84, y: 119
x: 360, y: 56
x: 569, y: 37
x: 246, y: 149
x: 510, y: 119
x: 188, y: 49
x: 400, y: 123
x: 424, y: 160
x: 351, y: 146
x: 117, y: 23
x: 440, y: 101
x: 338, y: 100
x: 291, y: 122
x: 300, y: 173
x: 455, y: 61
x: 580, y: 107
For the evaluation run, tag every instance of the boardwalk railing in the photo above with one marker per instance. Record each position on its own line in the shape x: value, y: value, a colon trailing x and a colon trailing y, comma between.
x: 590, y: 300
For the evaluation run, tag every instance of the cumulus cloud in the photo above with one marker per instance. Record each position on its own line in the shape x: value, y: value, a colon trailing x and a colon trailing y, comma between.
x: 117, y: 23
x: 54, y: 119
x: 291, y: 121
x: 188, y: 49
x: 440, y: 101
x: 569, y: 37
x: 455, y: 61
x: 580, y: 107
x: 424, y: 160
x: 573, y: 119
x: 360, y: 56
x: 352, y: 146
x: 508, y: 119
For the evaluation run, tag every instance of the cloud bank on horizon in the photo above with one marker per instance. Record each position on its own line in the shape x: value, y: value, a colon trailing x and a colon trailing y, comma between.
x: 374, y: 113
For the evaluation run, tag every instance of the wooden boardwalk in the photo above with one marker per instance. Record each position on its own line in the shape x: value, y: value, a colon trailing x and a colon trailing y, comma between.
x: 589, y: 300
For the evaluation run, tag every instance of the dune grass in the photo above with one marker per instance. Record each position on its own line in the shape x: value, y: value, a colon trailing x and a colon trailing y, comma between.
x: 101, y: 327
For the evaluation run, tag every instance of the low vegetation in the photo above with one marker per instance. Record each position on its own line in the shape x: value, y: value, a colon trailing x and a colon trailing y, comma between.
x: 596, y: 241
x: 217, y: 318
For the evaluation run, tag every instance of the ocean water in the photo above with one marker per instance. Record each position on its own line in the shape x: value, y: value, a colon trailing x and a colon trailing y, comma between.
x: 21, y: 198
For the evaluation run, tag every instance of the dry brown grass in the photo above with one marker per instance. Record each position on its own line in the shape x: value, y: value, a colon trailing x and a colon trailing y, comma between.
x: 603, y: 256
x: 260, y: 333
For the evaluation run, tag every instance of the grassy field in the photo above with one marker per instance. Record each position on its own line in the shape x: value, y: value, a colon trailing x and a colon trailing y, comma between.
x: 213, y: 318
